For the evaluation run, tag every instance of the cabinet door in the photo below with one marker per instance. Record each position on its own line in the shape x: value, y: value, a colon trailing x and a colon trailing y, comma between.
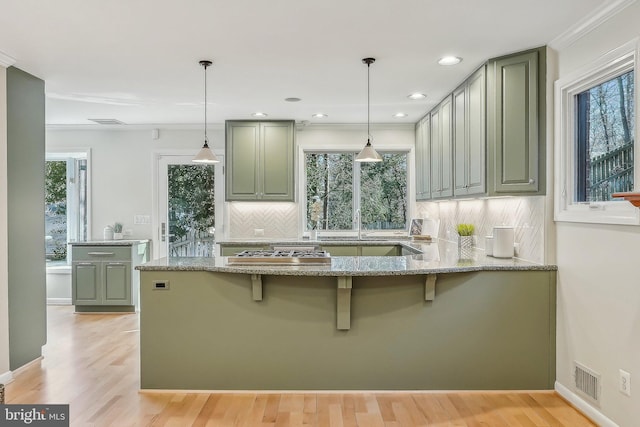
x: 469, y: 136
x: 86, y: 283
x: 514, y: 123
x: 419, y: 167
x: 446, y: 150
x: 276, y: 153
x: 423, y: 159
x: 242, y: 160
x: 476, y: 132
x: 117, y: 283
x: 434, y: 161
x: 441, y: 150
x: 460, y: 142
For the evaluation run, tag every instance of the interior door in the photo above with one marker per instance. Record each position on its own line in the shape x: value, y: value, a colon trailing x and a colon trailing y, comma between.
x: 187, y: 212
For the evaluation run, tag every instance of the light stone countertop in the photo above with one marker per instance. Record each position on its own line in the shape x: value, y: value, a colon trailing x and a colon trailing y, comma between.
x: 109, y: 242
x: 440, y: 257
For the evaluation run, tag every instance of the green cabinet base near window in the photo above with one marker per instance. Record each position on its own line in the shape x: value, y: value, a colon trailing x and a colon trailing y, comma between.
x: 259, y: 160
x: 103, y: 278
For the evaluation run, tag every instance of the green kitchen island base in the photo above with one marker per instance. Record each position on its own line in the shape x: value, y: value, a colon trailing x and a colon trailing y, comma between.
x: 483, y: 330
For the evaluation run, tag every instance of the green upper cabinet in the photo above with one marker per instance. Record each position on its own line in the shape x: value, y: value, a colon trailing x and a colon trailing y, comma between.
x: 469, y: 142
x: 441, y: 149
x: 259, y: 160
x: 515, y: 122
x: 423, y: 162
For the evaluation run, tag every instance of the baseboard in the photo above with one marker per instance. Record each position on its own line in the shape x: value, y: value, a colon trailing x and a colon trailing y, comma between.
x: 583, y: 406
x: 6, y: 378
x: 58, y: 301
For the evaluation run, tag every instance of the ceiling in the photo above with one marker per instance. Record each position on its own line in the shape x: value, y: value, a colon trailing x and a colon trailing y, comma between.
x: 137, y: 60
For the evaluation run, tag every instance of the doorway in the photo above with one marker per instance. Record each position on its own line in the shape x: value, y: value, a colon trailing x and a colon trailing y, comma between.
x: 187, y: 212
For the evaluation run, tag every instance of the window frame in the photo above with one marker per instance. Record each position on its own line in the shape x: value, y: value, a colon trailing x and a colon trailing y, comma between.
x: 614, y: 63
x: 408, y: 152
x: 67, y: 154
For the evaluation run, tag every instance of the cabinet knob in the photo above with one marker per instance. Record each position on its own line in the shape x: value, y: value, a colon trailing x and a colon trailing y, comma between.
x: 532, y: 181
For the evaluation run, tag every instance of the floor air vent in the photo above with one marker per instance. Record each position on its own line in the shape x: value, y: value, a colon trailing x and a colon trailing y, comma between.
x: 587, y: 382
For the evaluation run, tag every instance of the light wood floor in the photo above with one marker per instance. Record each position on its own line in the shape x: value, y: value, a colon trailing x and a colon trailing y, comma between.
x: 91, y: 363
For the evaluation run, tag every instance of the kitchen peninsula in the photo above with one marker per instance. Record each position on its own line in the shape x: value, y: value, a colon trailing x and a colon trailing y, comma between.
x: 426, y: 320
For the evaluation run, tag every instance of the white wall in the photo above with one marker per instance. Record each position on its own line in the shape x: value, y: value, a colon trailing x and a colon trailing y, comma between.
x: 122, y: 171
x: 5, y: 374
x: 598, y: 315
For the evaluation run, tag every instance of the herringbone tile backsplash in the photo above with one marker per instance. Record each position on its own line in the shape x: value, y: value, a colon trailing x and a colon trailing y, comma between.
x: 525, y: 214
x: 278, y: 220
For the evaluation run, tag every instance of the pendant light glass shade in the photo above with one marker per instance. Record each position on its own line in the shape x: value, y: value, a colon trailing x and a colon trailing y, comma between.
x: 205, y: 155
x: 368, y: 153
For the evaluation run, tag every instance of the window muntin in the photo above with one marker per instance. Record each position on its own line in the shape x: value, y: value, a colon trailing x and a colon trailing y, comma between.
x: 571, y: 202
x: 337, y: 186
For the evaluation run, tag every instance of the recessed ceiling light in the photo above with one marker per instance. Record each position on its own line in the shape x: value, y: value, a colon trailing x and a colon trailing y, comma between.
x: 320, y: 115
x: 417, y: 95
x: 292, y: 99
x: 449, y: 60
x: 259, y: 114
x: 400, y: 115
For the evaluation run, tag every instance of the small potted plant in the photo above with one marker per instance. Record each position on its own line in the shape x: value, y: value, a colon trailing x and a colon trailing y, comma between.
x: 117, y: 231
x: 465, y: 235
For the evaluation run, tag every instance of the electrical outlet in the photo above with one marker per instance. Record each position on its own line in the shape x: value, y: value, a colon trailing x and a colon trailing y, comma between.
x: 258, y: 232
x: 624, y: 384
x: 161, y: 285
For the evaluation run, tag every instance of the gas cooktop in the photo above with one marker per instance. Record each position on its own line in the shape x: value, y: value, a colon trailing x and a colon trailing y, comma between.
x: 280, y: 257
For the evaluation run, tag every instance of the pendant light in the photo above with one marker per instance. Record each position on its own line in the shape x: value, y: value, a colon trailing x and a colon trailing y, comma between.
x: 205, y: 155
x: 368, y: 154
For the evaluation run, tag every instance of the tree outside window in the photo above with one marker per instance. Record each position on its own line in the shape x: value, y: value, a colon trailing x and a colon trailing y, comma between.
x: 342, y: 186
x: 605, y: 139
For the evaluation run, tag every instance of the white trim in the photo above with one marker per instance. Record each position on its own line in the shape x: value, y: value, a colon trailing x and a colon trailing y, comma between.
x: 608, y: 66
x: 590, y: 22
x: 220, y: 211
x: 59, y: 301
x: 6, y: 378
x: 300, y: 127
x: 584, y: 407
x: 409, y: 391
x: 6, y: 61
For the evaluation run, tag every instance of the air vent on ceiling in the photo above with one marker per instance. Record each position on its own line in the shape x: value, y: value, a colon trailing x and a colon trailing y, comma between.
x: 587, y: 382
x: 107, y: 121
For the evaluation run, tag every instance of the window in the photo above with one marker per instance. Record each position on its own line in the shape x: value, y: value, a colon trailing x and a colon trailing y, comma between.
x: 595, y: 145
x: 65, y: 206
x: 337, y: 186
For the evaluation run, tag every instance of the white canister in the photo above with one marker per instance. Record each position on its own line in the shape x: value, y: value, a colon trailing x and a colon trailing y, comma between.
x: 107, y: 233
x: 503, y: 240
x: 488, y: 245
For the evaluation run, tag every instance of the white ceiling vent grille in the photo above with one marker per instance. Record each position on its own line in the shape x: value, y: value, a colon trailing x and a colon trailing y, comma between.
x: 107, y: 121
x: 587, y: 382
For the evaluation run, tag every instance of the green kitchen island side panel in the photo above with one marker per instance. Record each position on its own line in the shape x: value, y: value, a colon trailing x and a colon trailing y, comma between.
x: 484, y: 330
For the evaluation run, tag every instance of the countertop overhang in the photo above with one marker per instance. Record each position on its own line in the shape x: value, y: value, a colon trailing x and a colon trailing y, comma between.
x: 434, y: 258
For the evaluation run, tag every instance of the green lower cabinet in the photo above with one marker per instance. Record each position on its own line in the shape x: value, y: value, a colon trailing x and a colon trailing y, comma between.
x: 341, y: 250
x: 338, y: 250
x: 86, y: 279
x: 380, y: 250
x: 103, y: 277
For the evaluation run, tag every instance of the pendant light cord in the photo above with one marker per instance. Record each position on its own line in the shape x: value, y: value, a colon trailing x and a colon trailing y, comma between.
x: 206, y: 140
x: 368, y: 100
